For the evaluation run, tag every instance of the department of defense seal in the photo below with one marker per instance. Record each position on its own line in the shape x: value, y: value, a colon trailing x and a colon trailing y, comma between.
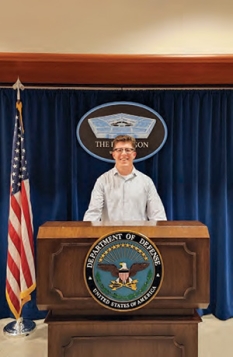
x: 123, y: 271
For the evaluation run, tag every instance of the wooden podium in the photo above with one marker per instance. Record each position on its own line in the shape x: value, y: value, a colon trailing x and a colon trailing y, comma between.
x: 78, y: 326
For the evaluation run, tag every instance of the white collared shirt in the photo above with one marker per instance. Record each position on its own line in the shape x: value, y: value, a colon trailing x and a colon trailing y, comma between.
x: 118, y: 198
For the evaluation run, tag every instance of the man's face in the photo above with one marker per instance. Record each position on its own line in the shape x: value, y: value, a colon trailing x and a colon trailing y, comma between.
x: 124, y: 154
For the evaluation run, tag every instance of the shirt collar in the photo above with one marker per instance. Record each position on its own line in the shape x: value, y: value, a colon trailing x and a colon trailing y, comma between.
x: 115, y: 171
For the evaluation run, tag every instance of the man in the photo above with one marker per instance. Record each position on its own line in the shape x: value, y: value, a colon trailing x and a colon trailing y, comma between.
x: 124, y: 193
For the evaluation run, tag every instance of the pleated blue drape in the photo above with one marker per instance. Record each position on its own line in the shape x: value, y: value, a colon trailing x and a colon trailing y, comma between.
x: 193, y: 171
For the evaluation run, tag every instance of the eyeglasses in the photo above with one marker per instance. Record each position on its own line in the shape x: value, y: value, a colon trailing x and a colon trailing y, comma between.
x: 127, y: 150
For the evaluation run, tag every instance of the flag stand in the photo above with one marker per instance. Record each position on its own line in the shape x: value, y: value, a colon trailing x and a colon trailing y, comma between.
x: 20, y: 327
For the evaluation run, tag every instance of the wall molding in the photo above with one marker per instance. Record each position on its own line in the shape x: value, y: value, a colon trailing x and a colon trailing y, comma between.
x: 88, y: 69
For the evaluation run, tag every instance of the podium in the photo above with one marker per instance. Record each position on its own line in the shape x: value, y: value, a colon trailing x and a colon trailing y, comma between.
x: 78, y: 326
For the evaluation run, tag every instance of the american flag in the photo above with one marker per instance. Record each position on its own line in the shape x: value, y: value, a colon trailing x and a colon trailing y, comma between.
x: 20, y: 274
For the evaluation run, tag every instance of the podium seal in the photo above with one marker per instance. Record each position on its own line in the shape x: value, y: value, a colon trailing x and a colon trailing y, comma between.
x: 123, y: 271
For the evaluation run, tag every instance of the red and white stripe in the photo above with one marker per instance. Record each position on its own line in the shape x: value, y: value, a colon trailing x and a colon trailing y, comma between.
x: 20, y: 281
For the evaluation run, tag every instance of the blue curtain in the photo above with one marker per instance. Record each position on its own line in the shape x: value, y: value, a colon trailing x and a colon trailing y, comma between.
x: 193, y: 171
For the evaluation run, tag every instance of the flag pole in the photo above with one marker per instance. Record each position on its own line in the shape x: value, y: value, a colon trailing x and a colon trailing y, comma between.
x: 21, y: 326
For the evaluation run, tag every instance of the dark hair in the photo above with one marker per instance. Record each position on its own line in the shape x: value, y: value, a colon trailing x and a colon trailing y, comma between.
x: 125, y: 138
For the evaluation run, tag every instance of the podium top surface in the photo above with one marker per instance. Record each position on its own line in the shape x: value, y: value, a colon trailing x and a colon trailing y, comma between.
x: 156, y: 229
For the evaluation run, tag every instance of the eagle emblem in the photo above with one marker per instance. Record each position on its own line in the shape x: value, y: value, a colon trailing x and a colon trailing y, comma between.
x: 123, y: 270
x: 124, y: 274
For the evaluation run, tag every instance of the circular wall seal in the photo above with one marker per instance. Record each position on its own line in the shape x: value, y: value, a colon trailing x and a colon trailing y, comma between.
x: 97, y: 129
x: 123, y: 271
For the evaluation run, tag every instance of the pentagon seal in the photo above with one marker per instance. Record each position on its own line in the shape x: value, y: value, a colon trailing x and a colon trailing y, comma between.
x: 123, y: 271
x: 97, y: 129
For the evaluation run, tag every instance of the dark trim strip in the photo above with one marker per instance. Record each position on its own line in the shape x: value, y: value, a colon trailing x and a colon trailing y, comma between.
x: 80, y: 69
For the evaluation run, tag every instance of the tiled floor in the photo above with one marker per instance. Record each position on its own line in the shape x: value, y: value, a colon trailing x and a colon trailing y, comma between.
x: 215, y: 339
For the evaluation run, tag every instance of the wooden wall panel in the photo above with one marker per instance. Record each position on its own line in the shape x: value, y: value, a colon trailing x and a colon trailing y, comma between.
x: 119, y: 70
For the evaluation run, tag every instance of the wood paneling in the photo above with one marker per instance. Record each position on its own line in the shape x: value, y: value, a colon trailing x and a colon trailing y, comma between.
x: 126, y: 336
x: 119, y: 70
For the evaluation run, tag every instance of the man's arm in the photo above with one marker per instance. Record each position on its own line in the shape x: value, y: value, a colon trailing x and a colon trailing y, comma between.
x: 155, y: 208
x: 95, y: 208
